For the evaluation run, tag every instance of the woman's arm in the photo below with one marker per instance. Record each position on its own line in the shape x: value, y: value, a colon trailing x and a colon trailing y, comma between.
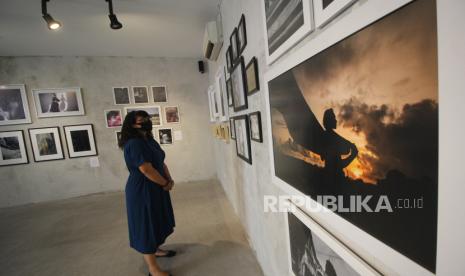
x: 353, y: 154
x: 167, y: 172
x: 151, y: 173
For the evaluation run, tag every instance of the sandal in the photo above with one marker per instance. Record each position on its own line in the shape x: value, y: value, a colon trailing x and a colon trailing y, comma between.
x: 168, y: 254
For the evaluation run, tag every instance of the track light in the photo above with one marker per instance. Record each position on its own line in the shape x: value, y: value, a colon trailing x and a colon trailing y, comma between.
x: 52, y: 24
x: 114, y: 23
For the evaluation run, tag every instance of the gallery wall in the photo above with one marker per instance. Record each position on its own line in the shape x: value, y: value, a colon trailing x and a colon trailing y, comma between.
x: 188, y: 159
x: 246, y: 184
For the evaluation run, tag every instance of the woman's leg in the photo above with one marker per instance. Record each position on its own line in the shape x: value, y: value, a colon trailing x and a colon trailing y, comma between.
x: 154, y: 269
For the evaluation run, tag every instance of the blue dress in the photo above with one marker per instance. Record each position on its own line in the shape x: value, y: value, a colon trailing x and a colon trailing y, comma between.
x: 150, y: 214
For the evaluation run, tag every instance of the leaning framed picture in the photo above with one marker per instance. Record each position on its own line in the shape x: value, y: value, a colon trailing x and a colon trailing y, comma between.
x: 80, y: 140
x: 256, y: 126
x: 165, y: 136
x: 251, y: 72
x: 172, y: 114
x: 329, y: 139
x: 326, y: 10
x: 113, y: 118
x: 159, y: 94
x: 241, y: 130
x: 58, y: 102
x: 13, y: 148
x: 46, y: 144
x: 153, y: 111
x: 285, y: 23
x: 121, y: 96
x: 310, y: 248
x: 241, y: 35
x: 14, y: 107
x: 239, y: 86
x: 140, y: 94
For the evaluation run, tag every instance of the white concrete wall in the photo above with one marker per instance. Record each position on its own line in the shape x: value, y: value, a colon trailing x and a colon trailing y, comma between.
x: 189, y: 159
x: 245, y: 184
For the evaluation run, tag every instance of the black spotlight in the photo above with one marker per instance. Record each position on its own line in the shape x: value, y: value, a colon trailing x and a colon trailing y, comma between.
x: 52, y: 24
x: 114, y: 23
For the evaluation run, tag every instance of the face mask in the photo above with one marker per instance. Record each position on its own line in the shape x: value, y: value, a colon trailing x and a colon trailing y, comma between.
x: 147, y: 126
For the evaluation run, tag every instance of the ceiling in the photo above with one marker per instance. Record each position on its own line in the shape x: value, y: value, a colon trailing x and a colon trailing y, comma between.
x: 151, y: 28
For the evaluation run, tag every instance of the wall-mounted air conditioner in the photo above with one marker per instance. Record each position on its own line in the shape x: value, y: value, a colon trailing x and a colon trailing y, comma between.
x: 212, y: 40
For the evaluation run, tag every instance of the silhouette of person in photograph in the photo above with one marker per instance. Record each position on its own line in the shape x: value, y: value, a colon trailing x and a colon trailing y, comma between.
x: 54, y: 106
x: 63, y: 103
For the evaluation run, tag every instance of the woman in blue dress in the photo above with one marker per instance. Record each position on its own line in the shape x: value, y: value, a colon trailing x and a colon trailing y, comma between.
x: 148, y: 202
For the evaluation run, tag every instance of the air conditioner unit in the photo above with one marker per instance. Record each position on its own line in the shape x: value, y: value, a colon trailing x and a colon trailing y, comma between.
x: 212, y: 41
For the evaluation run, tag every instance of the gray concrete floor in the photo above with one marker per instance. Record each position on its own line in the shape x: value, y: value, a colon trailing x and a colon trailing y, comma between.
x: 88, y: 236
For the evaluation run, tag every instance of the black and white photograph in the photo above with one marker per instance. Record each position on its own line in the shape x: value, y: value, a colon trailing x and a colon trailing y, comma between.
x: 80, y: 140
x: 251, y: 72
x: 58, y: 102
x: 241, y: 35
x: 229, y: 89
x: 232, y: 128
x: 159, y: 94
x: 239, y: 86
x: 113, y: 118
x: 314, y: 251
x: 243, y: 147
x: 140, y: 94
x: 327, y: 10
x: 172, y: 114
x: 234, y: 47
x: 118, y: 137
x: 14, y: 107
x: 13, y: 148
x: 121, y: 96
x: 221, y: 95
x: 256, y: 126
x: 165, y: 136
x: 153, y: 111
x: 229, y: 63
x: 46, y: 144
x: 286, y: 22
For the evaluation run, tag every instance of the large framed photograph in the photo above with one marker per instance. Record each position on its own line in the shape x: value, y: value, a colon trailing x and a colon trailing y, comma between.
x: 80, y: 140
x: 14, y: 107
x: 113, y: 118
x: 121, y: 96
x: 326, y: 10
x: 241, y: 130
x: 251, y: 72
x: 340, y: 130
x: 160, y: 94
x: 239, y: 86
x: 256, y: 126
x: 165, y: 136
x: 234, y: 47
x: 13, y: 148
x: 46, y: 144
x: 172, y: 114
x: 153, y: 111
x: 221, y: 95
x: 140, y: 94
x: 58, y: 102
x: 241, y: 35
x: 286, y: 23
x: 311, y: 250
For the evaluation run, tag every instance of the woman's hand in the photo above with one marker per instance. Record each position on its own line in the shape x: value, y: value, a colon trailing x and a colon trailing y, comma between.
x: 169, y: 186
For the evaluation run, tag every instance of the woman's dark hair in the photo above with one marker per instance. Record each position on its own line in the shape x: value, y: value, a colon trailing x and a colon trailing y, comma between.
x: 128, y: 132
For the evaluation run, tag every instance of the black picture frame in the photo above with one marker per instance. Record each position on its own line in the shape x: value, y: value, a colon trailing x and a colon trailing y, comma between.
x: 234, y: 48
x: 253, y: 64
x: 241, y: 30
x: 25, y: 149
x: 247, y: 148
x: 239, y: 76
x: 232, y: 128
x: 60, y: 143
x: 229, y: 92
x: 259, y: 125
x: 68, y: 145
x: 229, y: 63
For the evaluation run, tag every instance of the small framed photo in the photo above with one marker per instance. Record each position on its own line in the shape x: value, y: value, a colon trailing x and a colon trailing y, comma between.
x: 165, y: 136
x: 14, y: 107
x: 243, y: 147
x: 113, y: 118
x: 58, y: 102
x: 311, y: 248
x: 160, y: 94
x: 229, y: 63
x: 232, y: 128
x: 46, y: 144
x: 234, y: 47
x: 241, y: 35
x: 327, y: 10
x: 229, y: 89
x: 153, y: 111
x: 13, y: 148
x: 239, y: 86
x: 251, y: 72
x: 256, y: 127
x: 121, y: 96
x: 140, y: 94
x: 118, y: 137
x: 172, y: 114
x: 80, y: 140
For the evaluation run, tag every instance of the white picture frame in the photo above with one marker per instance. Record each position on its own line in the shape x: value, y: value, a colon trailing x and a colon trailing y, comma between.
x: 113, y: 118
x: 211, y: 105
x: 154, y: 112
x: 121, y: 95
x: 140, y: 94
x: 221, y: 95
x: 13, y: 148
x: 165, y: 136
x: 323, y: 15
x: 58, y: 102
x: 46, y: 144
x: 294, y: 36
x: 348, y: 260
x: 172, y: 114
x: 159, y: 96
x: 80, y: 140
x: 14, y: 105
